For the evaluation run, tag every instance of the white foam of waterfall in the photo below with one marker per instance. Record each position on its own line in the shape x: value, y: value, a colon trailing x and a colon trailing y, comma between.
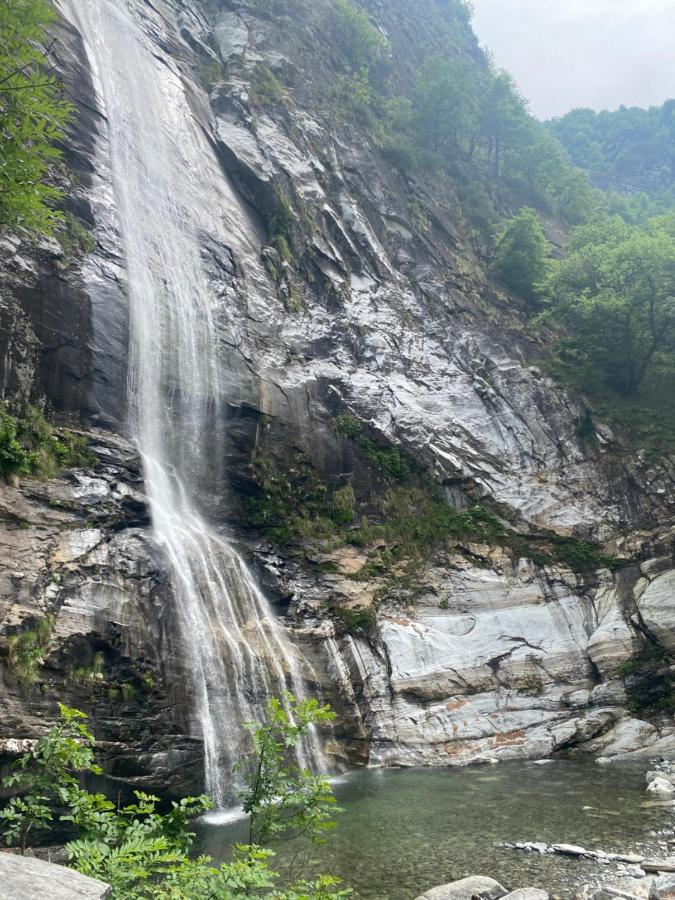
x: 167, y: 192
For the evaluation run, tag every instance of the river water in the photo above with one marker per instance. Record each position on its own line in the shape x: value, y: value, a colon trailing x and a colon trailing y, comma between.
x: 404, y: 831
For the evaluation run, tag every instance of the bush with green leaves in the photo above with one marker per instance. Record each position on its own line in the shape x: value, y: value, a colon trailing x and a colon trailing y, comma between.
x: 284, y: 799
x: 361, y: 41
x: 33, y: 116
x: 145, y: 854
x: 47, y: 774
x: 14, y: 458
x: 26, y: 649
x: 29, y: 445
x: 522, y: 256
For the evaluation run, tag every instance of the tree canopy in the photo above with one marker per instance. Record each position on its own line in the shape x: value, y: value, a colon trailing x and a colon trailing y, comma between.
x: 614, y: 292
x: 33, y: 114
x: 521, y: 258
x: 631, y: 150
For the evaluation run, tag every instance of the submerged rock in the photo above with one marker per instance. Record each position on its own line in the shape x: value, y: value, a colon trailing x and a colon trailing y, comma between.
x: 661, y: 786
x: 527, y: 894
x: 569, y: 850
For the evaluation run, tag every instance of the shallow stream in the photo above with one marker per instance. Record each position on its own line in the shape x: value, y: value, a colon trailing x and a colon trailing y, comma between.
x: 404, y: 831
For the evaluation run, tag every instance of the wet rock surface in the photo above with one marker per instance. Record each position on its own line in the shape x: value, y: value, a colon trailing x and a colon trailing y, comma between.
x: 79, y: 568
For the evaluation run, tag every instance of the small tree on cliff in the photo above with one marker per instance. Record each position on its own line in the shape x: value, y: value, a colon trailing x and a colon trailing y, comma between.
x: 33, y: 114
x: 521, y: 258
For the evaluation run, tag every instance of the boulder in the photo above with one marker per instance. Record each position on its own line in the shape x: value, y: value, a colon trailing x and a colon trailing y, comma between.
x: 661, y: 786
x: 466, y: 888
x: 657, y: 609
x: 27, y: 878
x: 569, y: 850
x: 663, y: 888
x: 527, y: 894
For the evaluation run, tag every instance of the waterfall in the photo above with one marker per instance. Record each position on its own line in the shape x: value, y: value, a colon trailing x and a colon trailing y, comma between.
x: 168, y: 191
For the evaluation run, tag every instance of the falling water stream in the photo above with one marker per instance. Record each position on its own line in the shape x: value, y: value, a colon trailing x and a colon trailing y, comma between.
x: 167, y: 192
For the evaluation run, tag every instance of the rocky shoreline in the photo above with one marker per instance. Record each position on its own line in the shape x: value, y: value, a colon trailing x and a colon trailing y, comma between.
x: 481, y: 887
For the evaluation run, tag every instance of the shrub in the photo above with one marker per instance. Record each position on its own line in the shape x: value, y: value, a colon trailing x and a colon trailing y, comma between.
x: 266, y: 89
x: 47, y: 773
x: 521, y: 258
x: 31, y: 446
x: 14, y: 458
x: 74, y: 239
x: 391, y: 463
x: 143, y: 853
x: 359, y: 39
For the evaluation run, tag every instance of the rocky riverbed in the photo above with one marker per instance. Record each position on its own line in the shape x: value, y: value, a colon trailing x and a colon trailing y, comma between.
x: 404, y: 831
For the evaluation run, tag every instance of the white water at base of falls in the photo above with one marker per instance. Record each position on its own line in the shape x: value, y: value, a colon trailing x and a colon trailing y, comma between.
x: 167, y: 191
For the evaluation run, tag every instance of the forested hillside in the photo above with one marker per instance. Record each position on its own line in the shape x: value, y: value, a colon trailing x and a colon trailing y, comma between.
x: 630, y: 150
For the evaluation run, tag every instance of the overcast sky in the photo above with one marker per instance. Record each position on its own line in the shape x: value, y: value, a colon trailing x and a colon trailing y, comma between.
x: 597, y: 53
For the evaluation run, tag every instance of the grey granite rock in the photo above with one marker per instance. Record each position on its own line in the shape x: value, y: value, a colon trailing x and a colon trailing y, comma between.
x: 26, y: 878
x: 468, y: 888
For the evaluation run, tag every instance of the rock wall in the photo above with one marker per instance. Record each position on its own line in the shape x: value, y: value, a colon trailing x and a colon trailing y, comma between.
x: 336, y: 299
x: 76, y: 555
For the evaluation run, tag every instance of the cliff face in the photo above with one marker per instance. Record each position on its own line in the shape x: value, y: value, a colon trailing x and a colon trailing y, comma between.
x: 370, y: 368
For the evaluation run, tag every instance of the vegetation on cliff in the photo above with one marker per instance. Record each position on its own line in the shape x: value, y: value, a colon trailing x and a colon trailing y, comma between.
x: 33, y: 116
x: 614, y: 294
x: 29, y: 445
x: 442, y: 110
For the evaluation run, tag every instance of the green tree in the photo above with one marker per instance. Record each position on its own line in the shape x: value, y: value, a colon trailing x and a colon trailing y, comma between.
x: 47, y: 774
x: 283, y: 799
x: 630, y: 150
x: 446, y: 104
x: 33, y: 115
x: 521, y: 257
x: 615, y: 294
x: 504, y: 121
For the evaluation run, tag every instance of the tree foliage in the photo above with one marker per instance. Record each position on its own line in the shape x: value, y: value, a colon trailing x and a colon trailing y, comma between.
x: 630, y: 150
x: 46, y: 774
x: 521, y: 258
x: 33, y: 115
x: 614, y: 293
x: 284, y: 799
x: 145, y: 854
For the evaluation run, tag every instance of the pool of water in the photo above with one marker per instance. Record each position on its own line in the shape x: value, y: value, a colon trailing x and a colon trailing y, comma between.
x: 404, y: 831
